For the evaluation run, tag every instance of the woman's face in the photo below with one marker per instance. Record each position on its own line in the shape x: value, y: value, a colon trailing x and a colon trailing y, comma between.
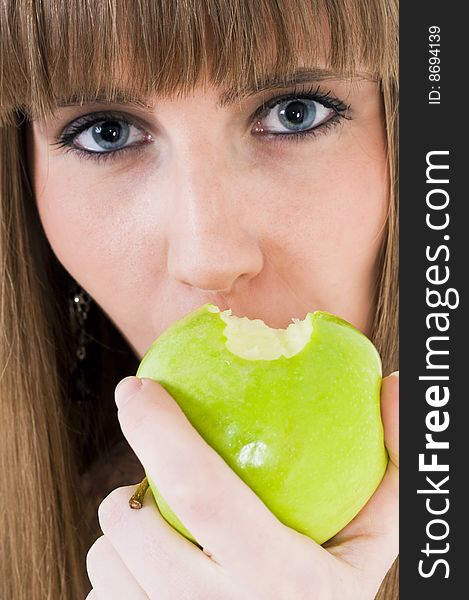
x: 270, y: 207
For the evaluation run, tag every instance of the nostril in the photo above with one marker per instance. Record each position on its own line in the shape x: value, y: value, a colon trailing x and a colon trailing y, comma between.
x: 209, y: 287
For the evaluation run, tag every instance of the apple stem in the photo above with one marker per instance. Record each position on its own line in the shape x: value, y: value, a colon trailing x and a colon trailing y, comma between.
x: 136, y: 501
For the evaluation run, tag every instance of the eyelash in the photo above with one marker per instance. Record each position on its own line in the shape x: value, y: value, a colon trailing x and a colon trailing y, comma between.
x: 341, y: 111
x: 65, y: 140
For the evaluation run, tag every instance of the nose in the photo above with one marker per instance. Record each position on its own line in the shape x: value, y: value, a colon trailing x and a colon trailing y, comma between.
x: 211, y: 247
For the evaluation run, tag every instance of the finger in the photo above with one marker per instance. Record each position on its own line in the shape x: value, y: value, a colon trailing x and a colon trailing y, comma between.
x: 390, y: 415
x: 224, y: 515
x: 109, y: 576
x: 372, y: 538
x: 165, y: 563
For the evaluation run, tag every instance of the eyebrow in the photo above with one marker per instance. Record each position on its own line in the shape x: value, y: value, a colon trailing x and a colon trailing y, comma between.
x: 121, y: 97
x: 278, y: 82
x: 226, y: 98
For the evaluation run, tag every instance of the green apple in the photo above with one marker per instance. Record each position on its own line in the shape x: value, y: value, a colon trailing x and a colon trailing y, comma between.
x: 294, y: 412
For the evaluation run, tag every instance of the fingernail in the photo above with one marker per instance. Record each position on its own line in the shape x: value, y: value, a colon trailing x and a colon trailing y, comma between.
x: 126, y: 389
x: 395, y: 374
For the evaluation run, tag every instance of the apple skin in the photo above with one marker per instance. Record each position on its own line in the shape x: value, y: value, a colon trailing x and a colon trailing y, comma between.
x: 304, y: 433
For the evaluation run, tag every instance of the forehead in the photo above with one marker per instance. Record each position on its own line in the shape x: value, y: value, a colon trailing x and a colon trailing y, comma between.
x: 163, y: 47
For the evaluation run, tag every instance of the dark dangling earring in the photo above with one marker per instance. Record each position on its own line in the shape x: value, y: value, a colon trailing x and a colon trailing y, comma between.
x: 79, y: 308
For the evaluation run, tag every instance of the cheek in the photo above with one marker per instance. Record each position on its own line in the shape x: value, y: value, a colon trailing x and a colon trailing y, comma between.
x: 95, y: 226
x: 330, y: 226
x: 101, y: 232
x: 332, y: 205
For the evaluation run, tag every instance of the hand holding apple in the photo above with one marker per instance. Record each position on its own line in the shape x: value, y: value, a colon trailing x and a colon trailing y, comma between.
x: 294, y: 412
x: 248, y: 552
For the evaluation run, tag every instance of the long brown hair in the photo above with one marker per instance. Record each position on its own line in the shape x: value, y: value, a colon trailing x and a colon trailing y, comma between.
x: 50, y: 50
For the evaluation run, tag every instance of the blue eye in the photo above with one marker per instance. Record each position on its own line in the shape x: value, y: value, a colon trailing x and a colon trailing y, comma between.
x: 104, y: 136
x: 294, y: 115
x: 108, y: 135
x: 299, y: 114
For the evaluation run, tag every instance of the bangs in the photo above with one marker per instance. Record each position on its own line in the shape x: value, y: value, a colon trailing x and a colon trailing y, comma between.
x: 53, y: 50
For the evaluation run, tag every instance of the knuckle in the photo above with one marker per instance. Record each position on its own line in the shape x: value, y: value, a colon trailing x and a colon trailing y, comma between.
x: 206, y: 508
x: 196, y: 503
x: 96, y: 555
x: 113, y: 509
x: 157, y: 552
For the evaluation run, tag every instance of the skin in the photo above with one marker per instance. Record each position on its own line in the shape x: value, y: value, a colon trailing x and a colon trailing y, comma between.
x: 212, y: 209
x: 211, y: 213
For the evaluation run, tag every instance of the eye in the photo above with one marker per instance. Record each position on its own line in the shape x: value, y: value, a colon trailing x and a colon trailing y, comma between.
x: 109, y: 134
x: 298, y: 114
